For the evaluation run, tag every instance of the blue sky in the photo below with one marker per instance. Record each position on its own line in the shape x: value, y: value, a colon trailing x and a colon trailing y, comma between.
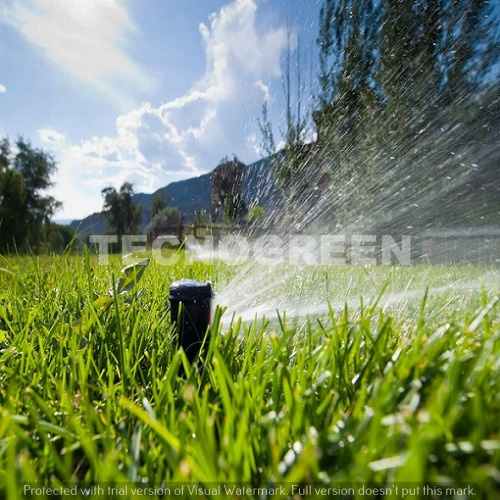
x: 146, y: 91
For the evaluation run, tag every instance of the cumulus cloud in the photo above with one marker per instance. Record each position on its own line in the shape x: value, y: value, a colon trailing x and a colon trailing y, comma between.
x: 50, y: 136
x: 188, y: 135
x: 85, y: 38
x: 2, y: 89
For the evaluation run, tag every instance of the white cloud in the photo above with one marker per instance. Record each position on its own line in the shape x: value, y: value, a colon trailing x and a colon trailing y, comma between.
x: 266, y: 91
x: 3, y: 89
x: 85, y: 38
x: 50, y: 136
x: 188, y: 135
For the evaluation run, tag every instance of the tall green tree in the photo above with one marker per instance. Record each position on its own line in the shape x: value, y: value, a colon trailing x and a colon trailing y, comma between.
x: 12, y: 202
x: 36, y: 167
x: 25, y: 173
x: 227, y: 183
x: 348, y: 39
x: 158, y: 203
x: 405, y: 100
x: 435, y: 59
x: 166, y: 221
x: 296, y: 171
x: 348, y: 99
x: 122, y: 213
x: 433, y: 56
x: 471, y: 46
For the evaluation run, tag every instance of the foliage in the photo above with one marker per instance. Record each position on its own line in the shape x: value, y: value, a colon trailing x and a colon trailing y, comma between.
x: 158, y: 203
x: 128, y: 279
x: 393, y: 77
x: 256, y: 215
x: 235, y: 209
x: 122, y: 213
x: 294, y: 165
x: 24, y: 211
x: 407, y: 99
x: 409, y: 55
x: 60, y: 237
x: 227, y: 182
x: 201, y: 217
x: 169, y: 219
x: 360, y: 394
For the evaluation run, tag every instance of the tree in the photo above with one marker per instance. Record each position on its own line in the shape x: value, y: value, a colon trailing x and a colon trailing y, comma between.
x: 435, y: 59
x: 471, y: 47
x: 235, y: 209
x: 256, y: 216
x: 60, y: 237
x: 158, y: 203
x: 36, y: 166
x: 12, y: 199
x: 122, y: 213
x: 433, y: 55
x: 295, y: 168
x: 4, y: 154
x: 167, y: 221
x: 347, y: 46
x: 227, y: 182
x: 402, y: 84
x: 24, y: 209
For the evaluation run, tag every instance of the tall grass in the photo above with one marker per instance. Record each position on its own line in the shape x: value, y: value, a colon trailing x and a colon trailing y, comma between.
x: 354, y: 395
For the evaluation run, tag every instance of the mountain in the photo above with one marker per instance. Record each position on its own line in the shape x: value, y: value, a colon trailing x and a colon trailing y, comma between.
x: 191, y: 195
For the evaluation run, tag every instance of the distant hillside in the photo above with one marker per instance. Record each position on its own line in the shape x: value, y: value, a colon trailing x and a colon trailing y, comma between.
x: 193, y: 194
x: 62, y: 222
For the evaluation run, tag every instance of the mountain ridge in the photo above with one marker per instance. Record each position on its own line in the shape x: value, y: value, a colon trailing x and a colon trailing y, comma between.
x: 193, y: 194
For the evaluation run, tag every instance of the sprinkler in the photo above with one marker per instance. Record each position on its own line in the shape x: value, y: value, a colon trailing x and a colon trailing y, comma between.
x: 190, y: 309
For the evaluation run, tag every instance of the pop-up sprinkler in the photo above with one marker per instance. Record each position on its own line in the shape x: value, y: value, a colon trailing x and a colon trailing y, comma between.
x: 190, y: 309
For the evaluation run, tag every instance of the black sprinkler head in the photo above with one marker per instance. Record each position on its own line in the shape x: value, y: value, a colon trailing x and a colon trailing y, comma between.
x: 193, y: 317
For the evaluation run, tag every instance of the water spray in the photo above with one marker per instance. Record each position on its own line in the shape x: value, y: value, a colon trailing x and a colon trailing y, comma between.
x: 190, y: 310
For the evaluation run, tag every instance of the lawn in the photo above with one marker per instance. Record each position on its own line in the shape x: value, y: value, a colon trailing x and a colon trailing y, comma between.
x: 359, y: 391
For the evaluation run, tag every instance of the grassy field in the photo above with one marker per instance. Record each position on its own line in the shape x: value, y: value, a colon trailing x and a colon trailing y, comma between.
x: 405, y: 392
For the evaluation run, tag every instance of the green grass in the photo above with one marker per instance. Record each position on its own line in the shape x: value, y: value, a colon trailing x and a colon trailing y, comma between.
x: 407, y: 393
